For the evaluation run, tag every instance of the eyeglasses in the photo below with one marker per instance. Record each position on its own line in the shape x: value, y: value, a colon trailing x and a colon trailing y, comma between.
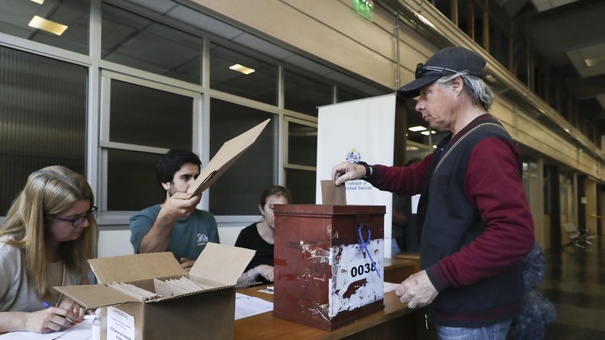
x: 76, y: 221
x: 420, y: 70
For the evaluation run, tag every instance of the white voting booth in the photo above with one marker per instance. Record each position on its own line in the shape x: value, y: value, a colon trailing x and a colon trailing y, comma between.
x: 359, y: 130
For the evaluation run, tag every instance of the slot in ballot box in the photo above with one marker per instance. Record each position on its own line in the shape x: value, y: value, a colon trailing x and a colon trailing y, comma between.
x: 329, y: 263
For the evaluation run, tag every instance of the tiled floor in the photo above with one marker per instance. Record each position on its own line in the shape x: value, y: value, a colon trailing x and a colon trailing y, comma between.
x: 575, y: 283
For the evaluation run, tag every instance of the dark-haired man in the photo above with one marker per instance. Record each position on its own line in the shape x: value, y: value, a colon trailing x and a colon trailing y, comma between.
x: 175, y: 225
x: 476, y: 222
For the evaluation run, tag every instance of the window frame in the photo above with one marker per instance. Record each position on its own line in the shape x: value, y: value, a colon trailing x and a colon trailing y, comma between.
x: 105, y: 144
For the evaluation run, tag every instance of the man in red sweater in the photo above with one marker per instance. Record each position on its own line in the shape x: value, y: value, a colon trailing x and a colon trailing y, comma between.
x: 476, y: 222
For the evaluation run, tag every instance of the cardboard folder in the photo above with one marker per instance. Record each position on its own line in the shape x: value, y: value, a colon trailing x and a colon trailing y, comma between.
x: 225, y: 157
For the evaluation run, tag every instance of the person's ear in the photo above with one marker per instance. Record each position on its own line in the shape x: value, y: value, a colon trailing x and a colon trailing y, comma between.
x: 166, y: 186
x: 260, y: 208
x: 457, y: 84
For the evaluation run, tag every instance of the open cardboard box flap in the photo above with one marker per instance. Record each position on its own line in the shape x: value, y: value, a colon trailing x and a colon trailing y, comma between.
x: 225, y: 157
x: 95, y: 296
x: 130, y: 268
x: 220, y: 264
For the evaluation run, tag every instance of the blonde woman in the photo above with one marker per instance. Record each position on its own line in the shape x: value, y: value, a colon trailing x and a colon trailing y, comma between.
x: 45, y: 241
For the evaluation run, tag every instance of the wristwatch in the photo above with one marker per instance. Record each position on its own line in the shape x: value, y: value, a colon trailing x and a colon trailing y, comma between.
x: 368, y: 169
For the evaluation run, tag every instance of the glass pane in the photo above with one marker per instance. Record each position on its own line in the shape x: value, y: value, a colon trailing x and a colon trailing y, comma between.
x: 15, y: 16
x: 131, y: 181
x: 42, y: 118
x: 135, y: 41
x: 302, y: 144
x: 260, y: 85
x: 238, y: 190
x: 345, y: 96
x: 302, y: 185
x: 305, y: 95
x: 150, y: 117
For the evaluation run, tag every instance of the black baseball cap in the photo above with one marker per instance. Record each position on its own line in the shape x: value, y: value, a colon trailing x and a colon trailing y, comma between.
x: 448, y: 61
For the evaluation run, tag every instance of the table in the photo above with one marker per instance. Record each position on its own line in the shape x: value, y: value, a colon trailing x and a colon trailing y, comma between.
x: 415, y: 257
x: 394, y: 320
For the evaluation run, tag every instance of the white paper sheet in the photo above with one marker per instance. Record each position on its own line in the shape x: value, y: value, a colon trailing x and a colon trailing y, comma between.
x: 81, y: 331
x: 246, y: 306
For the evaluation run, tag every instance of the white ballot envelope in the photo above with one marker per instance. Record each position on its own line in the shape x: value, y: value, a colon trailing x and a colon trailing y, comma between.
x: 225, y: 157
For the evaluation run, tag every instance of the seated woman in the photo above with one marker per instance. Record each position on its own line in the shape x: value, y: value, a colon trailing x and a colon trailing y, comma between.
x: 45, y: 241
x: 259, y: 237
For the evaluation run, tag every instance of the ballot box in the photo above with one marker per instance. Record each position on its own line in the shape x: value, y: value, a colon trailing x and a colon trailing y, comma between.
x: 328, y: 263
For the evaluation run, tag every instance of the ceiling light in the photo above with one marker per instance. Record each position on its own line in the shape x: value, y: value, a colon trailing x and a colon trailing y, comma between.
x: 416, y: 128
x: 47, y: 25
x: 38, y: 1
x: 426, y: 133
x: 242, y: 69
x: 594, y: 61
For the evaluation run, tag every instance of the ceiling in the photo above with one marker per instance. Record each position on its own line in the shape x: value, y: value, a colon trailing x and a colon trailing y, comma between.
x: 568, y: 35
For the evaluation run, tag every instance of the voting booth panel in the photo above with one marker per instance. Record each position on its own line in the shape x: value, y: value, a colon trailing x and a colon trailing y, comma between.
x: 328, y: 263
x: 358, y: 130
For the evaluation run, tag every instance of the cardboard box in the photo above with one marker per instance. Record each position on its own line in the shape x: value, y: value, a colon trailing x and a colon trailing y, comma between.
x: 178, y: 311
x: 327, y: 275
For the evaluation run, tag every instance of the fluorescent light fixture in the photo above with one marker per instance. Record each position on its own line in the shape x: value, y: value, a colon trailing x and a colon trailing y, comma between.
x: 242, y: 69
x: 594, y: 61
x: 426, y: 133
x: 38, y: 1
x: 416, y: 128
x: 47, y: 25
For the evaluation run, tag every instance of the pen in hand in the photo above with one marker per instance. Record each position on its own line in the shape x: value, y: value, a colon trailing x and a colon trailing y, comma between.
x: 48, y: 305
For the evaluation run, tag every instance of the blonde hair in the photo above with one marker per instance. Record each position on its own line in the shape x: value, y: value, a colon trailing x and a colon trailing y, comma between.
x: 49, y: 191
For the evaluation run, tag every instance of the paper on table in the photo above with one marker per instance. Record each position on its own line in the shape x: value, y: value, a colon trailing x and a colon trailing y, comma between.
x: 81, y: 331
x: 390, y: 286
x: 225, y: 157
x: 246, y: 306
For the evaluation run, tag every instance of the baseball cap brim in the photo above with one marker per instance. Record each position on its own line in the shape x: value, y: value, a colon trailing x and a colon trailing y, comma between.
x: 412, y: 89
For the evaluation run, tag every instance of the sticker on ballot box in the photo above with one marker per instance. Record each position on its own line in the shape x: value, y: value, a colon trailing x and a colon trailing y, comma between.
x: 120, y: 325
x: 357, y: 275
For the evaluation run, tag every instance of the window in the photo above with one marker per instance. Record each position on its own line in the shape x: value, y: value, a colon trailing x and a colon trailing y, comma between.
x: 146, y: 116
x: 140, y: 124
x: 238, y: 190
x: 42, y: 120
x: 301, y: 184
x: 260, y: 85
x: 302, y: 144
x: 304, y: 95
x: 301, y: 160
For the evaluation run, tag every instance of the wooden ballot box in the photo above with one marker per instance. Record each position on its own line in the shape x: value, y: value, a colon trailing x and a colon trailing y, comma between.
x: 328, y: 263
